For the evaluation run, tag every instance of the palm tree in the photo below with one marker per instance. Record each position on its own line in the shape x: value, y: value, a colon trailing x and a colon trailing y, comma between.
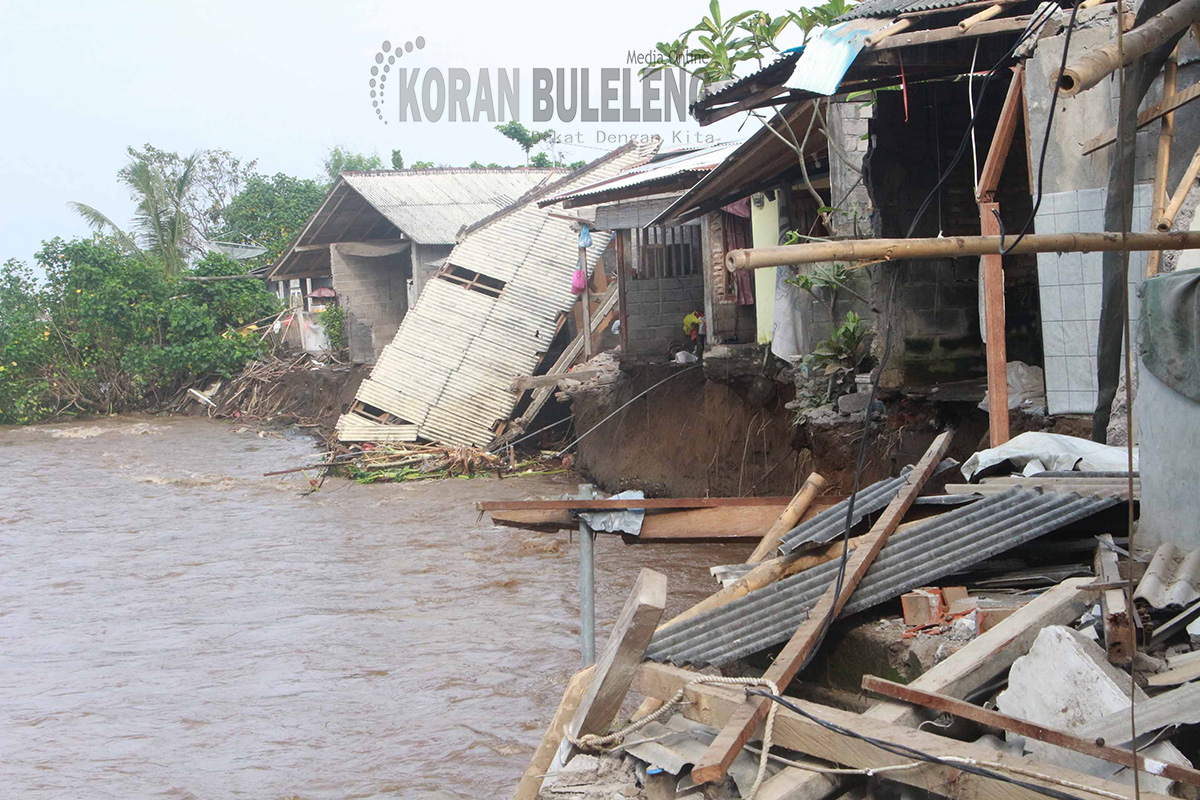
x: 161, y: 228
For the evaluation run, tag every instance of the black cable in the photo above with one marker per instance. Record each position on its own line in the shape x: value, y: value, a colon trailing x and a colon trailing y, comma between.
x: 1037, y: 203
x: 912, y: 753
x: 1035, y: 25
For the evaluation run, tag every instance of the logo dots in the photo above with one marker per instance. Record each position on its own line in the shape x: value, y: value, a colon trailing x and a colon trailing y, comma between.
x: 384, y: 59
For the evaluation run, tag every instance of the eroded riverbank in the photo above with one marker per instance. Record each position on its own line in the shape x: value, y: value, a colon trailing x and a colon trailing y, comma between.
x: 174, y: 624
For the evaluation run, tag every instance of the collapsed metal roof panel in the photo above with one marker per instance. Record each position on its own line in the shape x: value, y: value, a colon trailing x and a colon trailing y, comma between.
x: 831, y: 522
x: 945, y: 544
x: 451, y: 364
x: 1172, y: 579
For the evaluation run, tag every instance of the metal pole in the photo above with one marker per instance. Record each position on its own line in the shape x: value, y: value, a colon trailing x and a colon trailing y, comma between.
x: 587, y: 584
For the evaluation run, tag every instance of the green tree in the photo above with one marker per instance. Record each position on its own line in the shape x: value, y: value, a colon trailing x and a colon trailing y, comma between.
x: 341, y: 160
x: 527, y: 139
x: 397, y: 160
x: 271, y: 212
x: 162, y: 230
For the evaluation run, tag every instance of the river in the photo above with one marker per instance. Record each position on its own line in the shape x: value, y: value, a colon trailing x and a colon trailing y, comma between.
x: 174, y: 624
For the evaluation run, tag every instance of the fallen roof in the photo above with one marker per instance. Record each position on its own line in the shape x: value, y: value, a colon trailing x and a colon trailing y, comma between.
x: 428, y: 207
x: 449, y: 369
x: 943, y: 545
x: 1172, y: 579
x: 675, y: 173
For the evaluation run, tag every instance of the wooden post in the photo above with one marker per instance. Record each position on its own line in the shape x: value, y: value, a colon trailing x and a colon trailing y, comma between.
x: 543, y: 756
x: 742, y: 724
x: 997, y: 349
x: 1118, y: 633
x: 586, y: 300
x: 1189, y: 177
x: 788, y: 519
x: 1031, y: 730
x: 622, y: 303
x: 1166, y: 133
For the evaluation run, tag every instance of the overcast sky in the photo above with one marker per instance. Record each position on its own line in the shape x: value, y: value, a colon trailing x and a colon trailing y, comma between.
x: 280, y: 82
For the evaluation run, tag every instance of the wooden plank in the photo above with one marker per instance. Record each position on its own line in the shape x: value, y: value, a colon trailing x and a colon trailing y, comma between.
x: 1156, y: 111
x: 729, y: 742
x: 997, y: 346
x: 788, y: 518
x: 621, y: 505
x: 1118, y: 624
x: 531, y: 782
x: 622, y: 654
x: 1002, y: 139
x: 1042, y: 733
x: 1176, y: 675
x: 712, y: 705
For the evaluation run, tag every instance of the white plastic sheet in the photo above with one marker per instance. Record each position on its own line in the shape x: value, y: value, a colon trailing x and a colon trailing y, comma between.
x: 1036, y: 452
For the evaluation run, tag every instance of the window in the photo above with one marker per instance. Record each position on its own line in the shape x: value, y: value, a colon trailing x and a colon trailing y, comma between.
x: 666, y: 252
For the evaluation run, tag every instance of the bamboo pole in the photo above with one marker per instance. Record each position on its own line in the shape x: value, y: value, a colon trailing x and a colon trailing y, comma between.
x: 982, y: 16
x: 960, y: 246
x: 899, y: 26
x: 788, y: 519
x: 1181, y: 192
x: 1163, y: 162
x: 1100, y: 62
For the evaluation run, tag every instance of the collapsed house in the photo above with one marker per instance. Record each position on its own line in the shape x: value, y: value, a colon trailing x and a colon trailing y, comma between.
x: 378, y: 238
x: 499, y: 307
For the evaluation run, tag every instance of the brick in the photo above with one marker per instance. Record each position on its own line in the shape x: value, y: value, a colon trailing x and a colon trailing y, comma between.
x: 921, y: 607
x: 988, y: 618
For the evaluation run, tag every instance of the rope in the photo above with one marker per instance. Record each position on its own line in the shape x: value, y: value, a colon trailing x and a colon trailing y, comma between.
x: 596, y: 743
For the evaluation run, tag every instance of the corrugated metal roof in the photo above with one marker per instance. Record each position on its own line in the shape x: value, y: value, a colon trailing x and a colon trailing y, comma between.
x: 1172, y: 579
x: 648, y: 178
x: 773, y: 74
x: 450, y: 366
x: 831, y: 522
x: 893, y: 8
x: 432, y: 206
x: 1177, y: 707
x: 829, y: 55
x: 945, y: 544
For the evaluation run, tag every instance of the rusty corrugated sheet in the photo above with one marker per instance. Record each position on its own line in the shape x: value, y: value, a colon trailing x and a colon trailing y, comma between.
x: 1172, y: 579
x: 894, y: 8
x: 941, y: 546
x: 450, y: 366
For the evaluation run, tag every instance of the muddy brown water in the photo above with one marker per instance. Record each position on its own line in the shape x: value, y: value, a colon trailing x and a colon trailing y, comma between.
x: 173, y: 624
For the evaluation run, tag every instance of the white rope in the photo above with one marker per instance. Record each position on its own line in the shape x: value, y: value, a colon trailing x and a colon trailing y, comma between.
x: 591, y: 741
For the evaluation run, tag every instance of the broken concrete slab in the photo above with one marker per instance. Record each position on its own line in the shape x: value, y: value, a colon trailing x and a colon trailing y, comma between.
x: 1066, y: 682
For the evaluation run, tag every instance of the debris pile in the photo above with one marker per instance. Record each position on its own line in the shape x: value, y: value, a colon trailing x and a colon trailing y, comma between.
x: 1037, y: 624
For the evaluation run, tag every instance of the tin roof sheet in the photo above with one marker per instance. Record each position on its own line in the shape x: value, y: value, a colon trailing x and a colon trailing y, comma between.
x: 451, y: 364
x: 648, y: 178
x: 945, y: 544
x: 894, y: 8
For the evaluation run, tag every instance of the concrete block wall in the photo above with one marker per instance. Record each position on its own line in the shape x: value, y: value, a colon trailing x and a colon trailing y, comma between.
x: 655, y: 308
x: 373, y: 292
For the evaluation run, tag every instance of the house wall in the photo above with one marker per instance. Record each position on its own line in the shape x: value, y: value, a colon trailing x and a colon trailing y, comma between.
x: 373, y: 293
x: 1075, y: 190
x: 655, y: 308
x: 764, y: 222
x: 423, y: 258
x: 934, y: 312
x: 728, y: 322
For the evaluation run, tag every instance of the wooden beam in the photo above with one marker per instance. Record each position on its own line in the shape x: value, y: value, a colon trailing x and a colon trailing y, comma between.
x: 1156, y: 111
x: 980, y: 16
x: 738, y: 730
x: 876, y: 250
x: 622, y: 505
x: 1031, y: 730
x: 997, y: 346
x: 1163, y: 223
x: 899, y: 26
x: 1006, y: 128
x: 1118, y: 624
x: 983, y: 659
x: 714, y: 706
x: 543, y: 757
x: 990, y: 28
x: 788, y: 518
x: 631, y: 635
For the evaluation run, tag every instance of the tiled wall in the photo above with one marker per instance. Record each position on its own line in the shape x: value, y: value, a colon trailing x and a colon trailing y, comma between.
x: 1070, y: 286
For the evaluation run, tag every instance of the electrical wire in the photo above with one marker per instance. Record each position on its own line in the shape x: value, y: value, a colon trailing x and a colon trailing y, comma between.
x: 1037, y: 203
x: 961, y: 764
